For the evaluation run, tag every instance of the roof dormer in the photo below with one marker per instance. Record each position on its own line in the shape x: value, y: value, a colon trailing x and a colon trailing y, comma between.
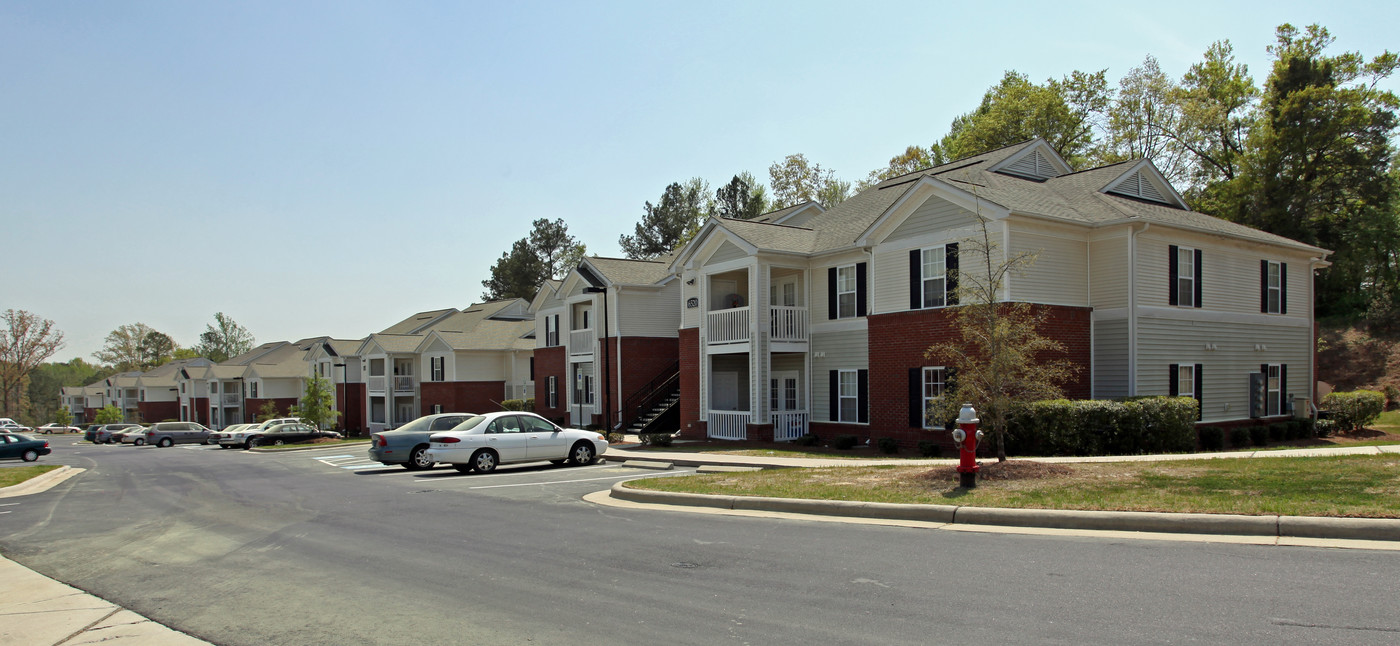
x: 1143, y: 182
x: 1036, y: 161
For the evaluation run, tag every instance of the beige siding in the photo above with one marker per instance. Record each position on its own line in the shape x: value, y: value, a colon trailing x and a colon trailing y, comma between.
x: 932, y: 217
x: 1058, y: 275
x: 1108, y: 273
x: 1162, y: 342
x: 726, y: 252
x: 835, y: 351
x: 890, y: 278
x: 480, y: 367
x: 690, y: 316
x: 1111, y: 358
x: 278, y: 388
x: 1230, y: 275
x: 546, y: 313
x: 648, y: 312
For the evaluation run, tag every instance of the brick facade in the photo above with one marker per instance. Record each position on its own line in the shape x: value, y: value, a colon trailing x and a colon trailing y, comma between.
x: 461, y: 396
x: 253, y: 407
x: 351, y: 402
x: 692, y: 427
x: 897, y: 343
x: 551, y: 361
x: 643, y: 360
x: 159, y: 411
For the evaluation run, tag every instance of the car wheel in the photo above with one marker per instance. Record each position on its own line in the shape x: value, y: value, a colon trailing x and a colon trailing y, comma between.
x: 484, y: 461
x: 165, y: 442
x: 463, y: 468
x: 278, y: 442
x: 582, y: 454
x: 418, y: 459
x: 139, y: 442
x: 252, y: 443
x: 30, y: 455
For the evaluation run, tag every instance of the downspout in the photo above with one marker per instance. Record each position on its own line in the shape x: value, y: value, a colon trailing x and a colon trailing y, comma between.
x: 1132, y: 309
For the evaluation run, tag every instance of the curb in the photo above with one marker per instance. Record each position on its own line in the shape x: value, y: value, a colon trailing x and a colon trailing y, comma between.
x: 40, y: 483
x: 1374, y: 529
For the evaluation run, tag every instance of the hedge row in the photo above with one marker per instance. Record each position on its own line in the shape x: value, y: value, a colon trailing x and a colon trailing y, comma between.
x: 1100, y: 427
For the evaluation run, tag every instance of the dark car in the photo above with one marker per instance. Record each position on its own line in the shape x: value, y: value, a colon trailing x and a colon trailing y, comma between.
x: 106, y: 434
x: 14, y: 445
x: 90, y: 435
x: 288, y: 433
x: 408, y: 445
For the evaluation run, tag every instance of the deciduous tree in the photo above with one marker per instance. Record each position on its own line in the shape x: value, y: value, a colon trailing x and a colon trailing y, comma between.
x: 108, y: 414
x: 26, y: 341
x: 668, y: 223
x: 156, y: 348
x: 1067, y: 113
x: 224, y: 339
x: 122, y: 347
x: 796, y: 180
x: 743, y: 198
x: 317, y: 403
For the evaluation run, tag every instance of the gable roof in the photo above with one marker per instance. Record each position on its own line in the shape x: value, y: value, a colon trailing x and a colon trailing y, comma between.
x: 779, y: 215
x: 418, y: 322
x: 622, y: 271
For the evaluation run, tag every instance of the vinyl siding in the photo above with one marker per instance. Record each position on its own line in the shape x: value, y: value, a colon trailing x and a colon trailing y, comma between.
x: 817, y: 311
x: 480, y: 367
x: 690, y: 316
x: 726, y: 252
x: 843, y: 351
x: 1162, y: 342
x: 1111, y: 358
x: 1230, y: 275
x: 1108, y: 278
x: 890, y: 278
x: 1059, y: 274
x: 933, y: 216
x: 648, y: 312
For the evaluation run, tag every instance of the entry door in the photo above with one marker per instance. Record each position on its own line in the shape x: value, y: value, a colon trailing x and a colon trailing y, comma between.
x: 784, y: 292
x: 724, y: 391
x: 581, y: 404
x: 782, y: 391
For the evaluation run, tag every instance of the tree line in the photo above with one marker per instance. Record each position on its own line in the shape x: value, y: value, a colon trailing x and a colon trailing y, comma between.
x: 1308, y: 154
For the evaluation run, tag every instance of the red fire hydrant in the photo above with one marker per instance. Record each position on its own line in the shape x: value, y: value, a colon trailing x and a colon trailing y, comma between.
x: 967, y: 436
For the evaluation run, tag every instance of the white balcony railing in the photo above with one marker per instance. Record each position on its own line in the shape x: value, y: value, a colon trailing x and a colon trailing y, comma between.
x: 727, y: 326
x: 728, y: 425
x: 581, y: 341
x: 788, y: 324
x: 376, y: 384
x: 229, y: 399
x: 789, y: 425
x: 403, y: 383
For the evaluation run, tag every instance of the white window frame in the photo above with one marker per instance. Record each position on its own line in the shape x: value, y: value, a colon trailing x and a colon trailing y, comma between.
x: 1186, y: 379
x: 843, y: 399
x: 844, y: 309
x: 437, y: 368
x: 1274, y: 301
x: 935, y: 380
x: 781, y: 398
x: 1273, y: 387
x: 437, y: 409
x: 252, y: 390
x: 1185, y: 277
x: 553, y: 392
x: 931, y: 259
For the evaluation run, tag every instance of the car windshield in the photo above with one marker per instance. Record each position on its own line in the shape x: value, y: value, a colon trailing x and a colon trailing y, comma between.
x: 469, y: 424
x: 420, y: 424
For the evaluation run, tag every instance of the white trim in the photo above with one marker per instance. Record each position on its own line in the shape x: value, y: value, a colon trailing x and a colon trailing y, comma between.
x: 914, y: 197
x: 1037, y: 145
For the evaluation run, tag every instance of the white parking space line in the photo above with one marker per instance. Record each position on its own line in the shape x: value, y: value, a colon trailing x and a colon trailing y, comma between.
x: 8, y: 504
x: 4, y: 512
x: 553, y: 482
x: 371, y: 465
x: 335, y: 457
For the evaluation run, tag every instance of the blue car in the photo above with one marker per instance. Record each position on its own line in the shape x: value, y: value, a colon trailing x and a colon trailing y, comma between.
x: 408, y: 444
x: 14, y: 445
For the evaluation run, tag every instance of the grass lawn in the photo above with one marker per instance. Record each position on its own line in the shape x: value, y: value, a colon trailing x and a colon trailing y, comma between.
x: 16, y: 475
x: 1356, y: 486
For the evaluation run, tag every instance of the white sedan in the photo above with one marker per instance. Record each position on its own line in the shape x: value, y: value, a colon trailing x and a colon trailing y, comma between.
x: 49, y: 429
x: 484, y: 441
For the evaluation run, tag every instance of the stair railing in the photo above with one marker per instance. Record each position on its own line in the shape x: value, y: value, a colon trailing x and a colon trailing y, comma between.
x: 639, y: 403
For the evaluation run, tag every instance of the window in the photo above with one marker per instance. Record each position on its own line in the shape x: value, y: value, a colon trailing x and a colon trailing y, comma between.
x: 253, y: 390
x: 1184, y: 275
x: 847, y: 396
x: 846, y: 291
x: 437, y: 408
x: 933, y: 282
x: 553, y: 392
x: 588, y: 389
x: 782, y: 391
x: 532, y: 368
x: 1273, y: 277
x: 1184, y: 380
x: 1273, y: 389
x: 935, y: 381
x: 436, y: 368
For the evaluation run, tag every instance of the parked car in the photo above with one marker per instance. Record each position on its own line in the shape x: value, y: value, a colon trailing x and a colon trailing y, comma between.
x: 49, y: 429
x: 287, y: 433
x: 408, y: 444
x: 14, y: 445
x: 135, y: 435
x: 11, y: 426
x: 240, y: 437
x: 482, y: 442
x: 216, y: 437
x: 104, y: 434
x: 90, y: 435
x: 171, y: 433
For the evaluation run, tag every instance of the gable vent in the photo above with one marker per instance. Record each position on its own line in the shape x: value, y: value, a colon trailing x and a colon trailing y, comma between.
x: 1138, y: 185
x: 1033, y: 165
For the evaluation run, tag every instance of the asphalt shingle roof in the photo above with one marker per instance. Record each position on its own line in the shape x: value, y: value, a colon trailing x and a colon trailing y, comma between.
x: 632, y: 272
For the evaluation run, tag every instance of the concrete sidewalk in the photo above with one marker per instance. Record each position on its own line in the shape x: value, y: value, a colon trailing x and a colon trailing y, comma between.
x: 38, y: 611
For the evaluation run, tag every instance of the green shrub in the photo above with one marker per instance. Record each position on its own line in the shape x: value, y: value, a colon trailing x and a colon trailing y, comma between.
x: 844, y: 442
x: 887, y: 445
x: 1278, y: 431
x: 1098, y: 427
x: 1307, y: 427
x: 930, y: 449
x: 1239, y: 437
x: 514, y: 404
x: 1212, y: 438
x: 656, y: 439
x: 809, y: 439
x: 1352, y: 411
x: 1392, y: 396
x: 1259, y: 435
x: 1324, y: 428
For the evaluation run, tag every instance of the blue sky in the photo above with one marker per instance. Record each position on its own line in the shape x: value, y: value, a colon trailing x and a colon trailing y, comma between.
x: 329, y: 168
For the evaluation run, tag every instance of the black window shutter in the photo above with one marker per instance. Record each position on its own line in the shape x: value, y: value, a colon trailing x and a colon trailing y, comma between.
x: 1200, y: 392
x: 916, y: 279
x: 1197, y: 281
x: 950, y: 268
x: 1264, y: 368
x: 532, y: 368
x: 1264, y: 286
x: 863, y: 396
x: 831, y: 293
x: 1174, y: 383
x: 916, y: 398
x: 1282, y: 386
x: 860, y: 289
x: 835, y: 396
x: 1171, y: 275
x: 1283, y: 288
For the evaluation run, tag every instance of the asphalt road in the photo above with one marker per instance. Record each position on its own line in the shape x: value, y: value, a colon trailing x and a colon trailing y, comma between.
x: 297, y: 548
